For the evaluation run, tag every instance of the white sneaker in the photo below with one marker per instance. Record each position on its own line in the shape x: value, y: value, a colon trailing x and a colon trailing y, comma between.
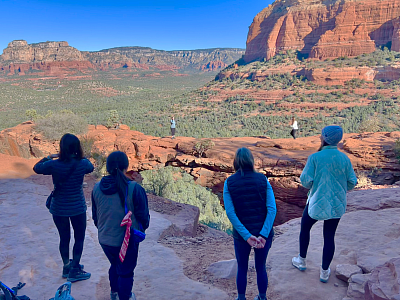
x: 299, y: 263
x: 324, y: 275
x: 132, y: 297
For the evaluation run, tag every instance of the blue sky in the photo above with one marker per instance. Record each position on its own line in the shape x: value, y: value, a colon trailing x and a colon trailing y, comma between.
x: 95, y: 25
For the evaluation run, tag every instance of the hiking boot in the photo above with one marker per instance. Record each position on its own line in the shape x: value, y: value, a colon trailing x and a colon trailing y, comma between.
x: 299, y: 263
x: 259, y: 298
x: 114, y: 296
x: 324, y: 275
x: 77, y: 274
x: 132, y: 297
x: 67, y: 268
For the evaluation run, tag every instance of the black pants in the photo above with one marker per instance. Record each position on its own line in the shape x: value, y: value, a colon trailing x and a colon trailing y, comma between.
x: 242, y: 253
x: 64, y: 229
x: 293, y: 133
x: 121, y: 274
x: 172, y: 131
x: 330, y: 227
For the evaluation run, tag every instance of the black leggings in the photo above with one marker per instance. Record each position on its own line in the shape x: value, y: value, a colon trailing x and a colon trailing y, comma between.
x: 64, y: 229
x: 293, y: 133
x: 329, y: 237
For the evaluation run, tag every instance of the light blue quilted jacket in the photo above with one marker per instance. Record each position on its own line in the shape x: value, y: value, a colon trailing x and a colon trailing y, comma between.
x: 329, y: 175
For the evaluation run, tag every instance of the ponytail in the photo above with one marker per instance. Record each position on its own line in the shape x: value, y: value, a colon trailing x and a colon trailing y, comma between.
x: 117, y: 162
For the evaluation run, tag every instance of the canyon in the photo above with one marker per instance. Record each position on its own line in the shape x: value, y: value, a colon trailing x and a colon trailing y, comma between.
x: 323, y: 29
x: 56, y: 58
x: 365, y: 265
x: 281, y: 160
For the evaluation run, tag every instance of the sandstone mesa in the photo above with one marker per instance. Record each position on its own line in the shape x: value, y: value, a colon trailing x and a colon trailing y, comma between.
x: 323, y: 29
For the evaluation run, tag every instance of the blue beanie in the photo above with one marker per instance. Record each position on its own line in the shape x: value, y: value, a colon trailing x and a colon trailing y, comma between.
x: 332, y: 134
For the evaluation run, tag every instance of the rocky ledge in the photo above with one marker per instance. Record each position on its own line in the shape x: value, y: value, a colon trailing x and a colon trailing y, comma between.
x: 282, y: 160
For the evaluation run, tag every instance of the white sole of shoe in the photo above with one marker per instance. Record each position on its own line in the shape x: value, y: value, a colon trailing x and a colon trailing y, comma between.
x: 299, y: 268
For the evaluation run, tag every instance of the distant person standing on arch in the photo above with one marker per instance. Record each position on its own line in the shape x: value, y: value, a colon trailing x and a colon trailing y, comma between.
x: 173, y: 125
x: 329, y: 175
x: 295, y: 128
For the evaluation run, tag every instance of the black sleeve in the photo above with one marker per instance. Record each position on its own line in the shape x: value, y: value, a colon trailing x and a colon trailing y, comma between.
x: 94, y: 211
x: 141, y: 206
x: 42, y: 167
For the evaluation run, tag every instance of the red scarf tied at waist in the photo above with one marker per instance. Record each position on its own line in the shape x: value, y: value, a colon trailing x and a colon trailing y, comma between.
x: 128, y: 222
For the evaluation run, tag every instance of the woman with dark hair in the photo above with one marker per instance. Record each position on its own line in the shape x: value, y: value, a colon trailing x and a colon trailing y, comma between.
x: 113, y: 199
x: 329, y: 175
x: 68, y: 204
x: 250, y: 205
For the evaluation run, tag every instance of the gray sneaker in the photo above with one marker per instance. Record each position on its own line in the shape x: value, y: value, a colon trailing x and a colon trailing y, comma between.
x: 324, y: 275
x: 299, y: 263
x: 114, y: 296
x: 133, y: 297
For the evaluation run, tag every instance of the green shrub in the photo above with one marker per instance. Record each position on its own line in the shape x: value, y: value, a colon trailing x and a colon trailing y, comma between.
x: 87, y: 145
x: 177, y: 185
x: 113, y: 119
x: 396, y: 149
x: 370, y: 124
x: 31, y: 114
x: 203, y: 146
x: 55, y: 125
x: 362, y: 179
x: 100, y: 167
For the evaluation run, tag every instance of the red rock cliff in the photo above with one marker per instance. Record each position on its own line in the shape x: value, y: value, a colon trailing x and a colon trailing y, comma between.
x: 320, y: 29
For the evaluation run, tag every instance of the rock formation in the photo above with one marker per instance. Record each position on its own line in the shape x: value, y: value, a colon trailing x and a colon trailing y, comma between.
x: 282, y: 160
x: 321, y: 29
x: 20, y: 57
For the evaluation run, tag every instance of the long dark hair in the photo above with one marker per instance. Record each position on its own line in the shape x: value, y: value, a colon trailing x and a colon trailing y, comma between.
x: 117, y: 162
x: 70, y: 147
x: 243, y: 160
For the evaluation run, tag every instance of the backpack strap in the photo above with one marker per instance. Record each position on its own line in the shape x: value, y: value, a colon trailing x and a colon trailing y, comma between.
x: 129, y: 206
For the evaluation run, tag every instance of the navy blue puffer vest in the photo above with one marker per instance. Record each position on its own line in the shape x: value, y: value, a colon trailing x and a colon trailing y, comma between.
x: 248, y: 191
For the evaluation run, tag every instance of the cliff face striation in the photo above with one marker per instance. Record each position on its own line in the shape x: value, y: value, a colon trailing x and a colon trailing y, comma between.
x: 21, y: 52
x: 323, y: 29
x: 20, y: 57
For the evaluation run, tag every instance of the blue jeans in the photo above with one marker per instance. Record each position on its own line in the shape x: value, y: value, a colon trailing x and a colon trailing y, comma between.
x: 121, y: 274
x: 242, y: 252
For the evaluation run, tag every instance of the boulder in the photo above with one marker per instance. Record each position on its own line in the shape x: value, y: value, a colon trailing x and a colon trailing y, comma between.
x: 384, y: 282
x: 227, y: 269
x: 362, y: 236
x: 356, y: 289
x: 345, y: 271
x: 382, y: 199
x: 184, y: 217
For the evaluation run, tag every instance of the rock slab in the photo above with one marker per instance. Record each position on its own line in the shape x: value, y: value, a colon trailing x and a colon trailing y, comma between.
x: 344, y: 272
x: 29, y: 253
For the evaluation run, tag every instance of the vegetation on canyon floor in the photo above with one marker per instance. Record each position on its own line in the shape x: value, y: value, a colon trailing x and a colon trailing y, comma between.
x: 216, y: 108
x: 175, y: 184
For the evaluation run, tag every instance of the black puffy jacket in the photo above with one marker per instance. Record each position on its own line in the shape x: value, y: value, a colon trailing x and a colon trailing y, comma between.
x: 69, y: 200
